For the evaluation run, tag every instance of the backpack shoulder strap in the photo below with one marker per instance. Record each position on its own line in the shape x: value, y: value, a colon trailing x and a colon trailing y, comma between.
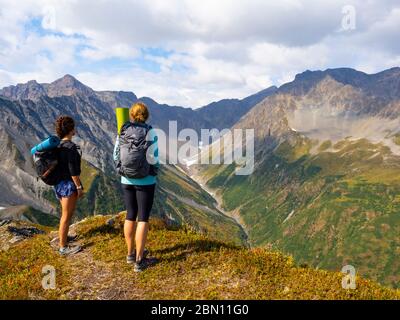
x: 70, y: 146
x: 125, y: 126
x: 148, y: 128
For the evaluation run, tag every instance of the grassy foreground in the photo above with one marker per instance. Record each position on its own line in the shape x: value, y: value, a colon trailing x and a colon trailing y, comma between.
x: 189, y: 266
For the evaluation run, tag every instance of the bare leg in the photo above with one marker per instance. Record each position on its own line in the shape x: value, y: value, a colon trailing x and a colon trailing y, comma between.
x: 129, y: 232
x: 67, y: 210
x: 141, y: 237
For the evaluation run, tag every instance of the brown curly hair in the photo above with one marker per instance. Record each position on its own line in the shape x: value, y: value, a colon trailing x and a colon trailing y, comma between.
x: 139, y: 112
x: 64, y: 125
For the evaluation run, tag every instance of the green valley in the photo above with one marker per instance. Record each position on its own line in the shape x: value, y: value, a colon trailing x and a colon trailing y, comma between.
x: 328, y: 209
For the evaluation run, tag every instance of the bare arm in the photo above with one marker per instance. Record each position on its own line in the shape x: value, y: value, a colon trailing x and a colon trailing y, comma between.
x: 78, y: 184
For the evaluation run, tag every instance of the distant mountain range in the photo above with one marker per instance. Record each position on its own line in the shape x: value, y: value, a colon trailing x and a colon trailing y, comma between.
x: 326, y: 185
x: 220, y: 115
x: 28, y: 112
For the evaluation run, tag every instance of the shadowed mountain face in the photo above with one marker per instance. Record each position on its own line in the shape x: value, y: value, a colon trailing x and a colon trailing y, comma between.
x: 326, y: 182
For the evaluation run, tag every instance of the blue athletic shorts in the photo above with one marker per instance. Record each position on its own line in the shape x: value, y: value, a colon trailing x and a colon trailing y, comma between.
x: 64, y: 189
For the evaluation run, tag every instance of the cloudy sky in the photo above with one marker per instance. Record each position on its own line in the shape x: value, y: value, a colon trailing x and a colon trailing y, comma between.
x: 192, y: 52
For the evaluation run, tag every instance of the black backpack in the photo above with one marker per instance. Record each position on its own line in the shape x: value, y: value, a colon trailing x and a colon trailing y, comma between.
x: 45, y: 163
x: 132, y: 162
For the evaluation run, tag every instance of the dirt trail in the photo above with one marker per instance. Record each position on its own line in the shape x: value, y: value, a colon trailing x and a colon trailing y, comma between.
x: 94, y: 279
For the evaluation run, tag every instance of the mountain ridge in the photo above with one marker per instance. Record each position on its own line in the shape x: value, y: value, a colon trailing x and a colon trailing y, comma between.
x: 342, y: 74
x: 69, y: 85
x: 358, y: 79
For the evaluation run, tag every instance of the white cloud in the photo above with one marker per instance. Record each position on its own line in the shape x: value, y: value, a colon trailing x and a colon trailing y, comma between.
x: 96, y: 52
x: 217, y: 49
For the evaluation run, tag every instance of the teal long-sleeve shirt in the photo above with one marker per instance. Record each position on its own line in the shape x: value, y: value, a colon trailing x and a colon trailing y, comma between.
x: 149, y: 180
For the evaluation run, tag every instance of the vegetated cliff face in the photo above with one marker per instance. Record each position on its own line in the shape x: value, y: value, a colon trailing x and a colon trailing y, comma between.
x: 327, y: 172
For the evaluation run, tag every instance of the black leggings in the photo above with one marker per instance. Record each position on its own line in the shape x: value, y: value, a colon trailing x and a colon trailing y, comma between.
x: 138, y: 201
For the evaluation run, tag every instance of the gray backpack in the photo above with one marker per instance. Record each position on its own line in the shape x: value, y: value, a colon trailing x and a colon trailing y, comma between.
x: 133, y: 147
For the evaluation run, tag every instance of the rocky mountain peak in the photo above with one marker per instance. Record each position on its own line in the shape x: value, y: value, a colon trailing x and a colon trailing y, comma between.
x: 67, y: 86
x: 385, y: 84
x: 32, y: 90
x: 33, y: 83
x: 26, y: 91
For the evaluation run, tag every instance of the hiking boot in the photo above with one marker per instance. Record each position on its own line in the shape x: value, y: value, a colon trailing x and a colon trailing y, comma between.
x: 131, y: 259
x: 69, y: 250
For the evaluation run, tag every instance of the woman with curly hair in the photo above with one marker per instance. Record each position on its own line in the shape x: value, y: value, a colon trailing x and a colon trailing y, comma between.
x: 70, y: 188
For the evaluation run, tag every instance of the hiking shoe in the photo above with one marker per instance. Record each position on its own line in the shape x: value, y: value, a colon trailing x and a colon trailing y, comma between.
x: 139, y: 266
x: 69, y: 250
x: 131, y: 259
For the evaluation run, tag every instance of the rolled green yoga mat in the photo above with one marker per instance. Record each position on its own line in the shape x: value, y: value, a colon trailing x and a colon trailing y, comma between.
x: 122, y: 117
